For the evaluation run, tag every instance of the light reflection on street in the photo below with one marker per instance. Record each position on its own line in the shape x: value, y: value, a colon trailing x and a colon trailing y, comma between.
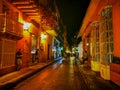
x: 63, y: 75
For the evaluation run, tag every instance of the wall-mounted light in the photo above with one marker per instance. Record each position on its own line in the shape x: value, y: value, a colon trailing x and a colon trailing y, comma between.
x: 87, y: 44
x: 26, y: 26
x: 43, y: 36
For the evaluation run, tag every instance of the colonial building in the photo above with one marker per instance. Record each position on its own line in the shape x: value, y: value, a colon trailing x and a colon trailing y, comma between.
x: 28, y: 25
x: 100, y: 38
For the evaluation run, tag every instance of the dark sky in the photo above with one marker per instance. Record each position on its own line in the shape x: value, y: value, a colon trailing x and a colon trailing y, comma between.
x: 72, y: 13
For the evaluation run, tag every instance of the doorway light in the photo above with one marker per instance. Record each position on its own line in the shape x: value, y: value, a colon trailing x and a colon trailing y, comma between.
x: 43, y: 36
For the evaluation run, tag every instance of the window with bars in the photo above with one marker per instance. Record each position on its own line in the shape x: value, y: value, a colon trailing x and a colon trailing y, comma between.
x: 106, y: 36
x: 95, y: 41
x: 7, y: 53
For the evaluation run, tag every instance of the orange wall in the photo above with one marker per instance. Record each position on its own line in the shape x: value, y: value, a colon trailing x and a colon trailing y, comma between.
x: 116, y: 29
x: 44, y: 53
x: 116, y: 21
x: 24, y: 45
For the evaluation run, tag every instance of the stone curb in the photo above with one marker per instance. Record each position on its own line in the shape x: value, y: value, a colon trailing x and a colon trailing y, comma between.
x: 15, y: 81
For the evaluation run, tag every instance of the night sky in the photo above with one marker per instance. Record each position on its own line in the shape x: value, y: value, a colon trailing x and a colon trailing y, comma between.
x: 72, y: 13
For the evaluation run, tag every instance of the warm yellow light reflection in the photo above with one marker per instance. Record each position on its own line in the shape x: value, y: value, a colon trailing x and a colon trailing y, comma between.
x: 26, y: 33
x: 51, y: 32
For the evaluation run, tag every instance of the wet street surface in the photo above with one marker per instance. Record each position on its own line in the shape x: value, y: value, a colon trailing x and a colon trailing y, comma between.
x: 66, y: 75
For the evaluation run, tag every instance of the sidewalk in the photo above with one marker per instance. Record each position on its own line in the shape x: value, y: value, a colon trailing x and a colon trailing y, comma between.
x: 11, y: 79
x: 94, y: 81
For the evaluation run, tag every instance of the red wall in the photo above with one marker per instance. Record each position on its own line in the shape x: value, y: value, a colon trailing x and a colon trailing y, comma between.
x: 116, y: 29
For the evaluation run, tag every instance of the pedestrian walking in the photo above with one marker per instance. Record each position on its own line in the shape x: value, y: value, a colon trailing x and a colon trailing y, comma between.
x: 36, y: 56
x: 85, y: 57
x: 18, y: 59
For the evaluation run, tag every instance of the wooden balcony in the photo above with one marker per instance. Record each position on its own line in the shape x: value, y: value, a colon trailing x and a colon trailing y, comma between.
x: 10, y: 28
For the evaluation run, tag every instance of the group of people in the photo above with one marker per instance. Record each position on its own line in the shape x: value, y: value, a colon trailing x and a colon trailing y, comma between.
x: 19, y: 58
x: 76, y: 55
x: 85, y: 57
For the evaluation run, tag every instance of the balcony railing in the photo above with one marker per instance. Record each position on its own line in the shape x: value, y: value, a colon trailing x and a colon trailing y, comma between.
x: 10, y: 26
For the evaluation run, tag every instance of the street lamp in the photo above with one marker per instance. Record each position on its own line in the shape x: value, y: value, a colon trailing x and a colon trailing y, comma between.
x: 87, y: 44
x: 43, y: 36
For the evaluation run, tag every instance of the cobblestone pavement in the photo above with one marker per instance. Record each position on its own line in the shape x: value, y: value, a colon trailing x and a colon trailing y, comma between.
x: 94, y: 81
x: 67, y: 76
x: 89, y: 80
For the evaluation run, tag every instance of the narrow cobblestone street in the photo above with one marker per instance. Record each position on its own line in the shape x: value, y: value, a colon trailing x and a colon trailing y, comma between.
x: 66, y: 75
x: 95, y: 82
